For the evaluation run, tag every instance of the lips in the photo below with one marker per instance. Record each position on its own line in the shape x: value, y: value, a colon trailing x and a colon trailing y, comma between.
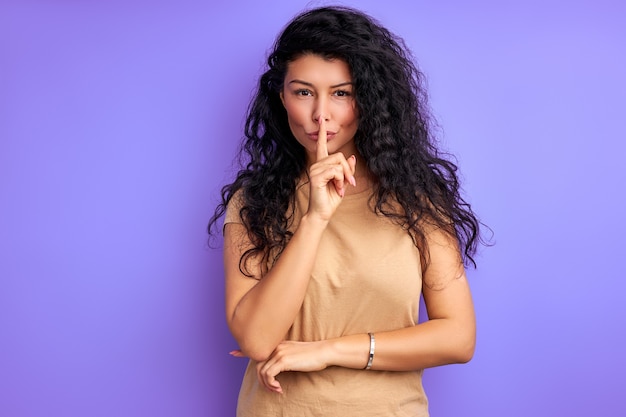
x: 329, y: 135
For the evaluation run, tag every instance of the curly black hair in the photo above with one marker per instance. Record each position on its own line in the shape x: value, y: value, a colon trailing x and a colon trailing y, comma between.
x: 394, y: 137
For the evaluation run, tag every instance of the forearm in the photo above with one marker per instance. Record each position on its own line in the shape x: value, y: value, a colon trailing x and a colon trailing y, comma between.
x: 264, y: 315
x: 433, y: 343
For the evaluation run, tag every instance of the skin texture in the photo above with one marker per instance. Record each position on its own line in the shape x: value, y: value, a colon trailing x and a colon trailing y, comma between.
x: 260, y: 312
x: 318, y: 97
x: 315, y: 90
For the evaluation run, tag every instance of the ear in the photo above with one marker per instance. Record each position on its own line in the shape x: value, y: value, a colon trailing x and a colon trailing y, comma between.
x: 282, y: 97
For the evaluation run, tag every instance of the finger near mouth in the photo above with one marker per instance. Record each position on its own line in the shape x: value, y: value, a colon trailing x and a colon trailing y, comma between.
x: 315, y: 136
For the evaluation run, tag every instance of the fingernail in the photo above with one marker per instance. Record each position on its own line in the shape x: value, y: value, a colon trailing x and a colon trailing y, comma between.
x: 342, y: 192
x: 352, y: 181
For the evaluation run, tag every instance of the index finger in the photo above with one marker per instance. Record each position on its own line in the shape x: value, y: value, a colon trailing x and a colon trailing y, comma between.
x: 322, y: 148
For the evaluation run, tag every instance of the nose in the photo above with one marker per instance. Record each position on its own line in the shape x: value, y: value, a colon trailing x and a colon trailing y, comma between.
x: 321, y: 110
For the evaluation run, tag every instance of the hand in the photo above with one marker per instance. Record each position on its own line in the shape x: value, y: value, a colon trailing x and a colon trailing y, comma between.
x: 328, y: 176
x: 290, y: 356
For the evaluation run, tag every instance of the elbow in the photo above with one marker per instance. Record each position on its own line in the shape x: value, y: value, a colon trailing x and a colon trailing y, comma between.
x: 255, y: 347
x: 465, y: 342
x: 460, y: 347
x: 251, y: 343
x: 465, y: 355
x: 256, y: 353
x: 465, y: 350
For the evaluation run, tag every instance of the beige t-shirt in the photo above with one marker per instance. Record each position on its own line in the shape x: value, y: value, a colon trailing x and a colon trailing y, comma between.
x: 367, y: 278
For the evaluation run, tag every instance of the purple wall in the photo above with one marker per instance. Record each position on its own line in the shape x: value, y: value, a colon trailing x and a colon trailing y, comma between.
x: 118, y: 124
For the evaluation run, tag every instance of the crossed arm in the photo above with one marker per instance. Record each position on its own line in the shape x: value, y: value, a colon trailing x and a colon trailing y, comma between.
x: 259, y: 312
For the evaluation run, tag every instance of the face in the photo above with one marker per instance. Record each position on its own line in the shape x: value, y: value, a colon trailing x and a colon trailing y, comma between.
x: 316, y: 87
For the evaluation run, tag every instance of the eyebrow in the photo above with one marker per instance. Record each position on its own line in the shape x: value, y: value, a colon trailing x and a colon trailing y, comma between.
x: 311, y: 85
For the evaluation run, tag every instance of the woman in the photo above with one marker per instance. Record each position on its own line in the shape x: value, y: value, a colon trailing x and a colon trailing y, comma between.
x: 343, y: 216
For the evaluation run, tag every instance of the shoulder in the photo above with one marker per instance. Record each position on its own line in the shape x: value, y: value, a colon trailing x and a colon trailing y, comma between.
x: 233, y: 209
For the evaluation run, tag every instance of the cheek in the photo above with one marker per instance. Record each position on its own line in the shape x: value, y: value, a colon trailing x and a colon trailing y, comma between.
x: 350, y: 115
x: 294, y: 113
x: 349, y: 110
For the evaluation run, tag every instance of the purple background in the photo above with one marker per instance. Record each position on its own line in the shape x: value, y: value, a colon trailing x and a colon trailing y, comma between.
x: 119, y: 122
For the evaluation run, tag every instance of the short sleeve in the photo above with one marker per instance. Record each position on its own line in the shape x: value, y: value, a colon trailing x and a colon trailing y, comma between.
x: 233, y: 209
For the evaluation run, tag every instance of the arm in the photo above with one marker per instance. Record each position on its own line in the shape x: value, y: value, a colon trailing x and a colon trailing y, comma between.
x: 260, y: 312
x: 447, y: 337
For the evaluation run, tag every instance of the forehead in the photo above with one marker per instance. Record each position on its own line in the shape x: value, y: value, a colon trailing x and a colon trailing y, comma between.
x: 315, y: 69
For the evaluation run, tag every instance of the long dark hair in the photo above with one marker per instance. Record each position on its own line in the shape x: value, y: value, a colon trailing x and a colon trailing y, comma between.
x: 394, y: 137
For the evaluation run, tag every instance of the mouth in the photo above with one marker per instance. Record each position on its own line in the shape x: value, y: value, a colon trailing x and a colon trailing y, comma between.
x: 315, y: 135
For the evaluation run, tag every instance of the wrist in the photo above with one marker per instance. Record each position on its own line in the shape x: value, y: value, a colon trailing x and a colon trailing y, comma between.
x: 312, y: 221
x: 348, y: 351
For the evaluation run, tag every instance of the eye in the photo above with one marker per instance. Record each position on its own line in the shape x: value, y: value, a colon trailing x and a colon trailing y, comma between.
x: 303, y: 92
x: 342, y: 93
